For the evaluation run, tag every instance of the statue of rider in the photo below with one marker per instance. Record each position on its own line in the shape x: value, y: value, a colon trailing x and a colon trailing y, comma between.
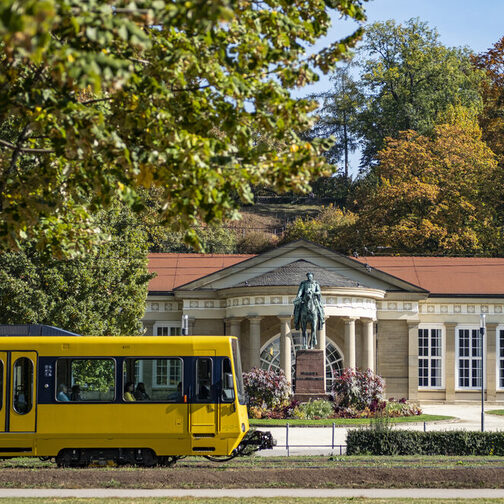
x: 304, y: 311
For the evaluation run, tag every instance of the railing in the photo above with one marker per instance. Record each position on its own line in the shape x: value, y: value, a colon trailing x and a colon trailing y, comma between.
x: 340, y: 447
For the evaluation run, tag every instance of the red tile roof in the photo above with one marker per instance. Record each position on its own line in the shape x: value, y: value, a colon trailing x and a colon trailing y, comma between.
x: 174, y: 270
x: 438, y: 275
x: 446, y: 275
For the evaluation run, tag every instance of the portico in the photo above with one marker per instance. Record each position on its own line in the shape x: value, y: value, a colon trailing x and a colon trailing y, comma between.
x: 253, y: 300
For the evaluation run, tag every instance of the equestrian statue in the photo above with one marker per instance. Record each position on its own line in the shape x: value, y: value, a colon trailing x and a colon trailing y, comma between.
x: 308, y: 309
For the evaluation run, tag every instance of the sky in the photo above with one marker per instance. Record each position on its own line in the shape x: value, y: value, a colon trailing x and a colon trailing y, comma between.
x: 476, y: 25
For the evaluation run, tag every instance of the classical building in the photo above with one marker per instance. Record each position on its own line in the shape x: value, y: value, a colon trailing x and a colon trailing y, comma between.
x: 413, y: 320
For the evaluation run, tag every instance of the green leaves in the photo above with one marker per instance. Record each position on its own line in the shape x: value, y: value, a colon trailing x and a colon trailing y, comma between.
x: 98, y: 100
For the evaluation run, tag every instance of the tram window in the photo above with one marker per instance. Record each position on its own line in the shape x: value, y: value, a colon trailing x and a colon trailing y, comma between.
x: 238, y: 369
x: 203, y: 379
x: 227, y: 381
x: 23, y: 385
x: 1, y: 384
x: 155, y: 380
x: 82, y: 380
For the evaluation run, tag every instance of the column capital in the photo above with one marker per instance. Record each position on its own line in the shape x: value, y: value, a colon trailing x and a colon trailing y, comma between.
x: 254, y: 318
x: 368, y: 320
x: 412, y: 324
x: 233, y: 319
x: 284, y: 318
x: 349, y: 320
x: 451, y: 325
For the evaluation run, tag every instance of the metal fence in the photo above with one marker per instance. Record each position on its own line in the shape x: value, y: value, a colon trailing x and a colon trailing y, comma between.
x: 341, y: 448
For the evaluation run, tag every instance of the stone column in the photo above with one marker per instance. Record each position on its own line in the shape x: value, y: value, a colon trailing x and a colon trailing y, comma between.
x: 321, y: 345
x: 255, y: 342
x: 491, y: 362
x: 449, y: 361
x: 285, y: 346
x: 412, y: 361
x: 368, y: 360
x: 191, y: 322
x: 350, y: 342
x: 234, y: 327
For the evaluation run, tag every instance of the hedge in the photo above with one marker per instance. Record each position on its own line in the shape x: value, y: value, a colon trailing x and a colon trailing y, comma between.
x: 399, y: 442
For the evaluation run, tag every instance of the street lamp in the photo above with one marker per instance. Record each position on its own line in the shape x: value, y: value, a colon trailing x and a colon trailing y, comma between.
x: 185, y: 325
x: 482, y: 337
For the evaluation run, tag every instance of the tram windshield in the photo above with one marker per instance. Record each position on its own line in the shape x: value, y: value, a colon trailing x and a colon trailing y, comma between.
x: 238, y: 369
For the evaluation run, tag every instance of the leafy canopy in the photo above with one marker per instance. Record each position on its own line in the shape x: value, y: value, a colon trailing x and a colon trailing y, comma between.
x: 409, y: 78
x: 99, y: 99
x: 436, y: 194
x: 102, y: 293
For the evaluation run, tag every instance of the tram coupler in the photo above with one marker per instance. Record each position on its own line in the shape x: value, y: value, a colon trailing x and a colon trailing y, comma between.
x: 255, y: 441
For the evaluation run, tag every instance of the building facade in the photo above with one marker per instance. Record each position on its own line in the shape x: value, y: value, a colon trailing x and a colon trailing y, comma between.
x: 415, y: 321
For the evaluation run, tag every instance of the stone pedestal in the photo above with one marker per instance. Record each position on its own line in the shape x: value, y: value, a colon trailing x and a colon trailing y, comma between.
x: 310, y: 374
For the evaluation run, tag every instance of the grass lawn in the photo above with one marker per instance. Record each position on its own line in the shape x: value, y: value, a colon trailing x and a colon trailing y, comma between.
x: 249, y: 500
x: 495, y: 412
x: 262, y: 422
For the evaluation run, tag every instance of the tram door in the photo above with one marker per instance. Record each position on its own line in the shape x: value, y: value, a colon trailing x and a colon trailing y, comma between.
x: 19, y: 397
x: 3, y: 371
x: 203, y: 410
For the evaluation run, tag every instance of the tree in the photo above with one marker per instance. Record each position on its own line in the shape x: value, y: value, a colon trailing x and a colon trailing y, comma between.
x: 436, y: 194
x: 333, y: 228
x: 408, y: 78
x: 491, y: 118
x: 102, y: 293
x: 98, y: 99
x: 338, y: 114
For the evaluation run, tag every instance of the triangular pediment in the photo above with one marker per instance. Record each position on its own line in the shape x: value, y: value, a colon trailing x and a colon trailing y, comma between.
x: 294, y: 273
x: 288, y: 265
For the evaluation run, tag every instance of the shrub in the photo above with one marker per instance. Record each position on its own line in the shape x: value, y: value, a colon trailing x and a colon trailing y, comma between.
x: 266, y: 389
x: 256, y: 242
x: 399, y: 442
x: 358, y: 389
x: 314, y: 410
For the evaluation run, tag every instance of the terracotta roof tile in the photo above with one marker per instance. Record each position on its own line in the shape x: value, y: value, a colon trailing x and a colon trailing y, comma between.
x: 439, y: 275
x: 446, y: 275
x: 174, y: 270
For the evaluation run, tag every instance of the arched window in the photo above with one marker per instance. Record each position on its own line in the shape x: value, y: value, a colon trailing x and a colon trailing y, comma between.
x: 270, y: 356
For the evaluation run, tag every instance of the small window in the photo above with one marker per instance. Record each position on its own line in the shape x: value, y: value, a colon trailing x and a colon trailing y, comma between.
x: 85, y: 380
x: 228, y: 394
x: 168, y: 330
x: 23, y: 385
x: 203, y: 379
x: 154, y: 380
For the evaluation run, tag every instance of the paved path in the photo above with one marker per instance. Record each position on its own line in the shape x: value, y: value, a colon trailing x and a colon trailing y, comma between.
x: 320, y: 440
x: 376, y: 493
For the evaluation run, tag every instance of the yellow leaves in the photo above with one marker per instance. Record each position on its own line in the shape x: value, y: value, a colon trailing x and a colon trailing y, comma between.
x: 70, y: 58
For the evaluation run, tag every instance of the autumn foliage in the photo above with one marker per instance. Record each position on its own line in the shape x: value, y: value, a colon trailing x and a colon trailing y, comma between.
x: 435, y: 193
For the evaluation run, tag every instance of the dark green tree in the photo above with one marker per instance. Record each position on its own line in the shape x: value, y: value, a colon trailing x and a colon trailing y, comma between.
x: 338, y: 117
x: 409, y: 78
x: 102, y: 293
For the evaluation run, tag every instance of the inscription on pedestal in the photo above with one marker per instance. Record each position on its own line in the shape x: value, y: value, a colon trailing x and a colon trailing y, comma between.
x: 310, y: 370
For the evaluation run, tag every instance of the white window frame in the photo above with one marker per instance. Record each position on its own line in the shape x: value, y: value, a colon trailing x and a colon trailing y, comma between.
x: 470, y: 327
x: 155, y: 384
x: 172, y: 326
x: 441, y: 327
x: 498, y: 359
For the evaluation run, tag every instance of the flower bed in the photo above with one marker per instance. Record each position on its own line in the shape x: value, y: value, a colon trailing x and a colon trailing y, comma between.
x: 356, y: 394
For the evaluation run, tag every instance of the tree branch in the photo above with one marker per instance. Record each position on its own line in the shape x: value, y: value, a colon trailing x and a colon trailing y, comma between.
x: 25, y: 149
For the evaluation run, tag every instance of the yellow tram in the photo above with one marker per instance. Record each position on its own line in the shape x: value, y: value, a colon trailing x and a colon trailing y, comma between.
x: 143, y: 400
